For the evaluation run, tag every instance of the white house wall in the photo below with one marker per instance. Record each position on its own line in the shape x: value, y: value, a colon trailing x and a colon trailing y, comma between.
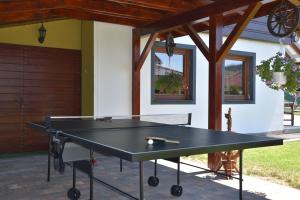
x: 267, y: 112
x: 112, y: 73
x: 113, y: 83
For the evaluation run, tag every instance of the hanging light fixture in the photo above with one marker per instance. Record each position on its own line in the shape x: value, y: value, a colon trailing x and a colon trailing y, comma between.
x: 42, y: 34
x: 170, y: 45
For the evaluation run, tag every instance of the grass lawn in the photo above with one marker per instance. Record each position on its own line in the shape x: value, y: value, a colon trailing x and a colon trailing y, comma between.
x: 278, y: 164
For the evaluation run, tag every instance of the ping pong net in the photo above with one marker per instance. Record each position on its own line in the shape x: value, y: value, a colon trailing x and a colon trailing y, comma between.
x: 110, y: 122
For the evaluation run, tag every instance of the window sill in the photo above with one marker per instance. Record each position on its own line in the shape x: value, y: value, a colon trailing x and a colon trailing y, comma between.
x: 238, y: 102
x: 172, y: 102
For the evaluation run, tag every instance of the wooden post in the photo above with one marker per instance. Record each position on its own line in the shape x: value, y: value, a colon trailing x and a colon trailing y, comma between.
x: 137, y: 62
x: 136, y: 77
x: 217, y: 52
x: 215, y: 83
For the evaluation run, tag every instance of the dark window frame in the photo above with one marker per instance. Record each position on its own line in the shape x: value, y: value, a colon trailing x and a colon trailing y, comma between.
x: 251, y: 58
x: 192, y: 76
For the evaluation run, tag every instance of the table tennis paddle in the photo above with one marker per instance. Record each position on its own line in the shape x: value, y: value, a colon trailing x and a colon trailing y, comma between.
x: 160, y: 139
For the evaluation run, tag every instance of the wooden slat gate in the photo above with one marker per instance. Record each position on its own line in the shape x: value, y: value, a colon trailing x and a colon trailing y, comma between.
x: 35, y: 82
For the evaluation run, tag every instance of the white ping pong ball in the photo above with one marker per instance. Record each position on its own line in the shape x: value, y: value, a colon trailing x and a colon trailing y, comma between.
x: 150, y: 141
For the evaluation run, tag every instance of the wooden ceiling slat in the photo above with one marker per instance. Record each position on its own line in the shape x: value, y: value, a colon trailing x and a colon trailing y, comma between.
x: 84, y: 15
x: 27, y: 5
x: 114, y: 9
x: 19, y: 18
x: 153, y: 4
x: 170, y: 6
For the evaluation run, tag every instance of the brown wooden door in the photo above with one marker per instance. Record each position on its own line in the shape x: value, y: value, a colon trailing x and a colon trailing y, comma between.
x: 50, y: 84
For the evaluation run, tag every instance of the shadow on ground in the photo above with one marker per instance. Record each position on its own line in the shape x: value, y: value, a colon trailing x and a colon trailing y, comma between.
x: 24, y: 178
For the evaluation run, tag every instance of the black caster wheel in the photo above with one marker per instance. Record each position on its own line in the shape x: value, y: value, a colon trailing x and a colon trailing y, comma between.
x: 153, y: 181
x: 176, y: 190
x: 73, y: 194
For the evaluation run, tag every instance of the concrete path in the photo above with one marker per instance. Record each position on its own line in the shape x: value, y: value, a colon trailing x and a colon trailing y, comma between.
x: 285, y: 136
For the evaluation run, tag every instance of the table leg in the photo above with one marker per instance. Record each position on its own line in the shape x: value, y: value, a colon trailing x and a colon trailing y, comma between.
x: 141, y: 180
x: 241, y: 175
x: 155, y: 168
x: 74, y: 193
x: 91, y: 174
x: 178, y: 171
x: 121, y: 165
x: 49, y: 158
x: 74, y: 175
x: 177, y: 190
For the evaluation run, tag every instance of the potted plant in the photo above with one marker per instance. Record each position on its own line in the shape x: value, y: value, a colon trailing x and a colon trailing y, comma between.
x: 278, y: 64
x: 280, y: 73
x: 170, y: 84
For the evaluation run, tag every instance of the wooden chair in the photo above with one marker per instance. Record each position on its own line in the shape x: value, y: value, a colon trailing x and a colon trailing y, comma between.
x: 229, y: 158
x: 289, y: 109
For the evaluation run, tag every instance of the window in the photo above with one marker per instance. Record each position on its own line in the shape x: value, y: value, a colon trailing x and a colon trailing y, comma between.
x: 173, y: 78
x: 239, y: 77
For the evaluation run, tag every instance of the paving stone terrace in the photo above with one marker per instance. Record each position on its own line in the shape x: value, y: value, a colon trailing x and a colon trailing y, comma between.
x: 24, y: 178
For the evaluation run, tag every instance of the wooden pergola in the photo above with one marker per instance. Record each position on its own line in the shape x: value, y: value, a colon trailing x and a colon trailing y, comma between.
x: 155, y: 18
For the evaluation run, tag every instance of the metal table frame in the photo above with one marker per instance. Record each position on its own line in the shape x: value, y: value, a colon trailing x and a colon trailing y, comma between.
x: 141, y: 174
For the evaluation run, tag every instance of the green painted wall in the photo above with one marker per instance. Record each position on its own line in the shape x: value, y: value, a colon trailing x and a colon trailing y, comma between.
x: 60, y: 34
x: 87, y: 76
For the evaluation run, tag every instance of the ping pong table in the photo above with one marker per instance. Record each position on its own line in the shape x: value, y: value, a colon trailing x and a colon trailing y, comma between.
x: 125, y: 139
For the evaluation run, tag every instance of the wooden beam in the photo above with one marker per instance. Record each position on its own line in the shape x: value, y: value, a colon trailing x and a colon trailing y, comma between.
x: 178, y: 31
x: 227, y: 20
x: 295, y: 48
x: 136, y: 76
x: 215, y: 8
x: 146, y: 51
x: 197, y: 40
x: 127, y: 12
x: 295, y: 2
x: 215, y: 82
x: 238, y: 29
